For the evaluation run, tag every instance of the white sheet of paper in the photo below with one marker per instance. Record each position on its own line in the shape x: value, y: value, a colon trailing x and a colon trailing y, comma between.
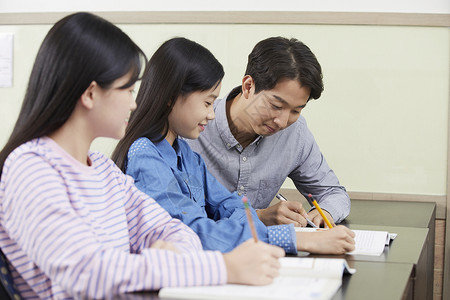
x: 368, y: 242
x: 300, y: 278
x: 300, y: 288
x: 6, y: 59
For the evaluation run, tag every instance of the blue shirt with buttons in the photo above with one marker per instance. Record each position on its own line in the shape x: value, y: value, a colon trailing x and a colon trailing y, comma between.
x: 177, y: 178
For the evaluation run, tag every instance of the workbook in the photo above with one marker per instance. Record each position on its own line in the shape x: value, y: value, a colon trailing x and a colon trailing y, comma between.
x: 367, y: 242
x: 300, y: 278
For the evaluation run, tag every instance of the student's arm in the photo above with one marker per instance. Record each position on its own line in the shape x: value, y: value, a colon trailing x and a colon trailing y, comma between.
x: 149, y: 223
x: 249, y: 263
x: 219, y: 224
x: 52, y: 232
x: 313, y: 175
x: 224, y: 205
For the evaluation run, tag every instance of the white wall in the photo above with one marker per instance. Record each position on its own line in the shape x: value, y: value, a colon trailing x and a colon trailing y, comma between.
x: 381, y: 122
x: 406, y: 6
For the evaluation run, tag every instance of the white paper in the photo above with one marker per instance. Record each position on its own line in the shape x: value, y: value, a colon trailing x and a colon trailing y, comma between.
x: 367, y: 242
x: 6, y: 59
x: 370, y: 242
x: 300, y: 278
x: 299, y: 288
x: 314, y: 267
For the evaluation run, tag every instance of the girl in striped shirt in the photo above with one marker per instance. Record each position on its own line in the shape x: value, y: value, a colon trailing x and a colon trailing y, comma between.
x: 72, y: 225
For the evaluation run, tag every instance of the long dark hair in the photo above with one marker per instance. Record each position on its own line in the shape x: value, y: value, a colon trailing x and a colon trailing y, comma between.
x: 178, y: 68
x: 78, y: 49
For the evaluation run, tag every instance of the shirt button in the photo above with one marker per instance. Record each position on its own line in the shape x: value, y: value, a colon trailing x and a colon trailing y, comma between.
x: 244, y: 158
x: 242, y: 188
x: 228, y: 145
x: 239, y: 193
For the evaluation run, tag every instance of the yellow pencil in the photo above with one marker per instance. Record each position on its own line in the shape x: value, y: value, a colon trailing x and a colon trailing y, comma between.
x: 249, y: 219
x: 320, y: 211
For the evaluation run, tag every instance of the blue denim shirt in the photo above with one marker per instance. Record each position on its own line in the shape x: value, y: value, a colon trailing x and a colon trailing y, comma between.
x: 177, y: 178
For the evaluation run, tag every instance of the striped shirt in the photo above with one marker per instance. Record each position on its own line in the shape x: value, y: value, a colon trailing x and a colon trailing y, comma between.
x: 75, y: 231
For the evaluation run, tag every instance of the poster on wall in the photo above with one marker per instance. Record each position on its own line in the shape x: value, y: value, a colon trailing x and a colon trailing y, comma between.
x: 6, y: 60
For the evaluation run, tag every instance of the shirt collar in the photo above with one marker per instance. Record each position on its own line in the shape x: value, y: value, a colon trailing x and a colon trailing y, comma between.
x: 172, y: 155
x: 224, y: 128
x: 222, y: 124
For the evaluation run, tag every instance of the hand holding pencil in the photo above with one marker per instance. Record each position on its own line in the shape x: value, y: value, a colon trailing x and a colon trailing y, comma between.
x: 302, y: 211
x: 250, y: 219
x: 337, y: 240
x: 284, y: 212
x: 253, y: 262
x: 326, y: 217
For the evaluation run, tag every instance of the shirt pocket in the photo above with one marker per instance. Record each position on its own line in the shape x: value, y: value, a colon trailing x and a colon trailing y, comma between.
x: 196, y: 191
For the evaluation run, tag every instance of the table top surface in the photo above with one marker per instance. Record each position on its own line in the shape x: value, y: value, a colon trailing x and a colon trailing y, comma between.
x: 377, y: 277
x: 405, y: 248
x: 375, y: 281
x: 380, y: 212
x: 371, y: 281
x: 393, y: 213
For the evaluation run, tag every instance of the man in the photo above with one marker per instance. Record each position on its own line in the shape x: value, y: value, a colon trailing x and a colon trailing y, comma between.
x: 259, y: 138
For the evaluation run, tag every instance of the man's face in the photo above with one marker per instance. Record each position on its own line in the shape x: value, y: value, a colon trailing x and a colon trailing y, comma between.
x: 270, y: 111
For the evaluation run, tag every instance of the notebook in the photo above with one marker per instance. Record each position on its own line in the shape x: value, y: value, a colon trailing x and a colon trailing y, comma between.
x: 367, y: 242
x: 300, y: 278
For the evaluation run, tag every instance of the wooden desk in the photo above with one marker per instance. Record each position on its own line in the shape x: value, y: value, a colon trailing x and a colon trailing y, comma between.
x: 397, y: 214
x: 405, y: 269
x: 412, y: 247
x: 408, y: 248
x: 396, y: 274
x: 372, y: 281
x: 402, y: 214
x: 377, y: 281
x: 383, y: 212
x: 394, y: 213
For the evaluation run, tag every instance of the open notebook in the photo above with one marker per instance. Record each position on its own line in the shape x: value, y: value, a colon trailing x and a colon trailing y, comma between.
x: 300, y: 278
x: 367, y: 242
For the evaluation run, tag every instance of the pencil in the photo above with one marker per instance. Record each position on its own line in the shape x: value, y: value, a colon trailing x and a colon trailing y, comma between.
x: 249, y: 218
x: 320, y: 211
x: 282, y: 198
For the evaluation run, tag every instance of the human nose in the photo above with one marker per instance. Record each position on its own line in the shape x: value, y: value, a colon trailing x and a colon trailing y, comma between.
x: 211, y: 115
x: 133, y: 104
x: 282, y: 119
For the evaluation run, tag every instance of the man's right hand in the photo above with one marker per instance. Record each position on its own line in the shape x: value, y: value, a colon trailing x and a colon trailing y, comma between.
x: 284, y: 212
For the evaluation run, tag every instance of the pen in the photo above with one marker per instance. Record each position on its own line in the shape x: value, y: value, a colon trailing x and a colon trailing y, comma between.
x: 249, y: 218
x: 320, y: 211
x: 282, y: 198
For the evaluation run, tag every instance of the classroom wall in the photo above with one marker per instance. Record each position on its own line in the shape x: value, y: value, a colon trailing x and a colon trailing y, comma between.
x: 407, y: 6
x: 381, y: 122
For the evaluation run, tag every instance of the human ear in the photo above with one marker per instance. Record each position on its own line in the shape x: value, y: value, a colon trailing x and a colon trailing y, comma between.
x: 248, y: 86
x: 87, y: 98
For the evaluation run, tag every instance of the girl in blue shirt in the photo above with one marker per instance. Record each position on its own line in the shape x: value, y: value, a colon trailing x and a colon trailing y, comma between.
x: 175, y: 100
